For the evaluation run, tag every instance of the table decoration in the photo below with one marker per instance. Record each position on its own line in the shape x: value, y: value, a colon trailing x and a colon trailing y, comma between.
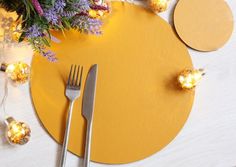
x: 188, y: 78
x: 204, y: 25
x: 139, y: 107
x: 17, y: 133
x: 18, y: 72
x: 37, y: 18
x: 159, y: 5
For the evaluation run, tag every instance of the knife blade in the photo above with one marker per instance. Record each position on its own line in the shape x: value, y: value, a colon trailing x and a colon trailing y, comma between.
x: 88, y: 109
x: 89, y: 93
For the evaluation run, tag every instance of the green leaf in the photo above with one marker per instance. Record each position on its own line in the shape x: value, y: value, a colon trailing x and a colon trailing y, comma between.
x: 47, y: 3
x: 22, y: 37
x: 45, y: 41
x: 66, y: 23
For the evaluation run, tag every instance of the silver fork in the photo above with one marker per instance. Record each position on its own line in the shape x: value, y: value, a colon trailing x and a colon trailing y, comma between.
x: 72, y: 93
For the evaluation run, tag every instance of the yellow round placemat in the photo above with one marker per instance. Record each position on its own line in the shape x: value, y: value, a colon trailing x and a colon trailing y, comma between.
x: 204, y: 25
x: 139, y: 109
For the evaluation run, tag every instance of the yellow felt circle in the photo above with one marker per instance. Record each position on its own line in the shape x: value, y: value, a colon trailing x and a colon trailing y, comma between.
x: 204, y: 25
x: 138, y: 108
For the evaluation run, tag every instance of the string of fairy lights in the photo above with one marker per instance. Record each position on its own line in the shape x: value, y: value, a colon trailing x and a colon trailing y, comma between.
x: 17, y: 132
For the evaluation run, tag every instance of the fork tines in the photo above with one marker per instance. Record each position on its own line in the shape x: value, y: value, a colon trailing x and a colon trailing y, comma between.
x: 75, y: 76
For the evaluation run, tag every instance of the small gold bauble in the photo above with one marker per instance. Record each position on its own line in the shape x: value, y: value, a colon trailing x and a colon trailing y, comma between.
x: 188, y: 79
x: 18, y: 72
x: 18, y: 133
x: 159, y: 5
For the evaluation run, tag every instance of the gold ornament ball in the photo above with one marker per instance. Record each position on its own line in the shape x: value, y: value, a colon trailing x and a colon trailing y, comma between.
x: 18, y: 133
x: 159, y: 5
x: 18, y: 72
x: 188, y: 79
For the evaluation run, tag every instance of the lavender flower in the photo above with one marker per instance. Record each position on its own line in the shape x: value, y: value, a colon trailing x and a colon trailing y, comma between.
x: 59, y: 6
x: 34, y: 31
x: 94, y: 26
x: 51, y: 56
x: 37, y: 7
x: 68, y: 14
x: 82, y: 5
x: 51, y: 16
x: 86, y: 24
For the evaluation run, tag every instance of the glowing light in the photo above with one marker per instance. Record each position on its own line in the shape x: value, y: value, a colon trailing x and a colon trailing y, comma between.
x: 17, y: 132
x: 188, y: 79
x: 93, y: 13
x: 18, y: 72
x: 159, y: 5
x: 102, y: 11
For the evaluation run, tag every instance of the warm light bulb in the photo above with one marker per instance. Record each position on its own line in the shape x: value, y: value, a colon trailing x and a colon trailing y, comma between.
x: 18, y: 133
x: 98, y: 13
x: 18, y: 72
x: 188, y: 79
x: 159, y: 5
x: 92, y: 13
x: 101, y: 9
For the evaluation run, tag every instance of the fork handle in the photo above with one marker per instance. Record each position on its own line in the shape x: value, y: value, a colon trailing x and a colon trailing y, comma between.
x: 86, y: 161
x: 66, y: 136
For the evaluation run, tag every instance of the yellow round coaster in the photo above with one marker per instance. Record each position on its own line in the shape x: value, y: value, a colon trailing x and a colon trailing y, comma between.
x: 204, y: 25
x: 138, y: 108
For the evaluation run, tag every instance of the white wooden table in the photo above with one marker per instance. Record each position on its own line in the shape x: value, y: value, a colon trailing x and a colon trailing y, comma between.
x: 207, y: 140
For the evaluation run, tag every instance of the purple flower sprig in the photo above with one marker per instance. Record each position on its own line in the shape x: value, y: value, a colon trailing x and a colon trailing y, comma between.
x: 54, y: 13
x: 82, y: 5
x: 87, y: 25
x: 59, y: 6
x: 51, y: 16
x: 34, y: 32
x: 37, y: 38
x: 51, y: 56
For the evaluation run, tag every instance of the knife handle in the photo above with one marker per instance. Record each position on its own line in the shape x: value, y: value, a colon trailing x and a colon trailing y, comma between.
x: 87, y: 152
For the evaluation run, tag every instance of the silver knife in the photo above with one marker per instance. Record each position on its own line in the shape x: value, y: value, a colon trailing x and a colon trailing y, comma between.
x: 88, y: 109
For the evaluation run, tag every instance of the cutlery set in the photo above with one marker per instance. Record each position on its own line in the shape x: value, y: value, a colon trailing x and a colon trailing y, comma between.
x: 72, y: 92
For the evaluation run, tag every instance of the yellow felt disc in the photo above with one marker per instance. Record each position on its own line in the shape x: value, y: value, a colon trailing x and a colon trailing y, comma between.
x: 204, y: 25
x: 138, y: 108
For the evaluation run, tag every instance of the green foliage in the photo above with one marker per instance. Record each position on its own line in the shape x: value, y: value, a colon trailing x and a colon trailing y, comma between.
x: 47, y: 3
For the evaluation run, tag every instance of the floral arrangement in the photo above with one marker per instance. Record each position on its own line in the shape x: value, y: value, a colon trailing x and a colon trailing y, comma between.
x: 38, y: 17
